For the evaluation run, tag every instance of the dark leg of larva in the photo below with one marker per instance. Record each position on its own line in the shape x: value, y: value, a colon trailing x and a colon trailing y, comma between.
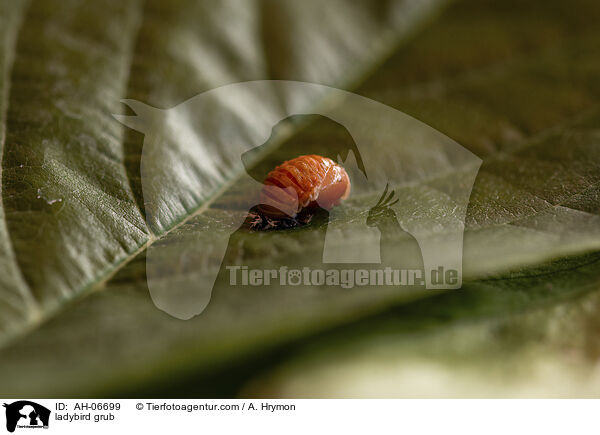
x: 257, y: 220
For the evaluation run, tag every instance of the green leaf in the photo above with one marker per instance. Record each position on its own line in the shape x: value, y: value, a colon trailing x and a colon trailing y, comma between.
x: 72, y: 201
x: 533, y: 335
x: 491, y: 76
x: 68, y: 207
x: 16, y: 299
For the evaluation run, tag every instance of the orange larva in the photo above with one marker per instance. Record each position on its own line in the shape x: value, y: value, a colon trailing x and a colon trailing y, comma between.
x: 304, y: 182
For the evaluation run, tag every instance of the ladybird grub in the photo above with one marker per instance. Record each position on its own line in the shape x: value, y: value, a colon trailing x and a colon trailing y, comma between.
x: 296, y: 188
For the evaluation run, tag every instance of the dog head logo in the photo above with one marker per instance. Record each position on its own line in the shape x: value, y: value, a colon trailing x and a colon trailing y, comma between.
x: 420, y: 179
x: 26, y: 414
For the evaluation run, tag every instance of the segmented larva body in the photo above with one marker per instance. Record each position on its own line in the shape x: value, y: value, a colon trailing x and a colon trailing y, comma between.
x: 305, y: 181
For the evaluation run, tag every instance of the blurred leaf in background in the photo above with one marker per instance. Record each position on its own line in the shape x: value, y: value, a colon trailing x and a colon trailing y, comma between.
x: 515, y: 82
